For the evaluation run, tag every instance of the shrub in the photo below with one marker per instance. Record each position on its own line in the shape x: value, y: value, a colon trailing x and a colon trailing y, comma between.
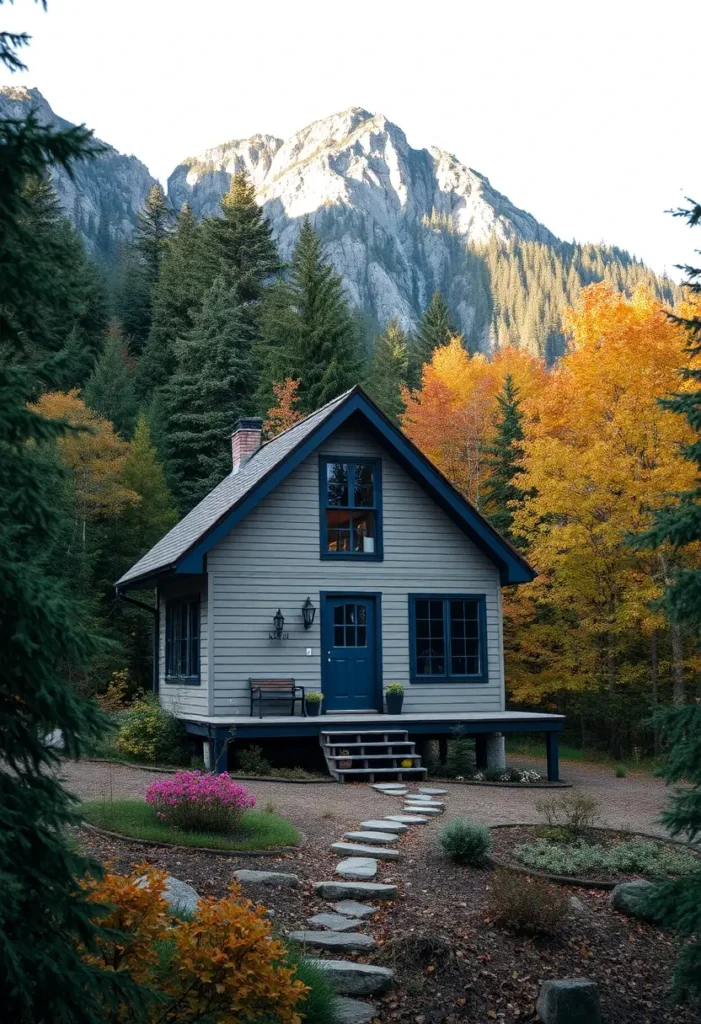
x: 253, y: 762
x: 199, y: 802
x: 460, y: 762
x: 223, y: 964
x: 320, y: 1004
x: 575, y: 811
x: 526, y: 904
x: 115, y: 696
x: 465, y: 841
x: 152, y: 734
x: 620, y: 772
x: 634, y: 857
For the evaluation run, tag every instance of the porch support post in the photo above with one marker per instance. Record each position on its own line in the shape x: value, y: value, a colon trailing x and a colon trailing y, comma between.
x: 552, y: 742
x: 481, y: 751
x: 218, y: 751
x: 496, y: 751
x: 443, y: 750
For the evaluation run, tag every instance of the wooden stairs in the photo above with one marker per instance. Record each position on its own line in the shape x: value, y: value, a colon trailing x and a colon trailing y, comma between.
x: 369, y: 756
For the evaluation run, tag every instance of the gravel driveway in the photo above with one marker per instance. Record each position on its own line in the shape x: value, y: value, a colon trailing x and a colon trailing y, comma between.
x: 322, y: 810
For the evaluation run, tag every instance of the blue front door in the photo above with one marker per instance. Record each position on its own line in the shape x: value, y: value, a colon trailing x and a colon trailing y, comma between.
x: 349, y: 667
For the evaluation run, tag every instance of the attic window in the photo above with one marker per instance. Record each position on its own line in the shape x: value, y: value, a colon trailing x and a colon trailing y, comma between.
x: 350, y: 498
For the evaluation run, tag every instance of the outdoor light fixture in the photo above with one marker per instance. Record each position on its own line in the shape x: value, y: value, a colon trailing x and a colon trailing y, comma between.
x: 308, y: 613
x: 278, y: 622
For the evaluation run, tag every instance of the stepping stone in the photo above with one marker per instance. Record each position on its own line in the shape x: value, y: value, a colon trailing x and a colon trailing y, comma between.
x: 431, y: 801
x: 371, y: 837
x: 382, y: 786
x: 417, y: 809
x: 247, y: 877
x: 357, y: 867
x: 427, y: 791
x: 407, y: 819
x: 353, y: 909
x: 355, y: 890
x: 384, y: 825
x: 365, y: 851
x: 334, y: 922
x: 348, y: 943
x: 351, y: 979
x: 353, y: 1011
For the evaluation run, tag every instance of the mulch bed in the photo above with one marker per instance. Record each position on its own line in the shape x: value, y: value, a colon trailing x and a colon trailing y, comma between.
x: 506, y: 837
x: 452, y: 965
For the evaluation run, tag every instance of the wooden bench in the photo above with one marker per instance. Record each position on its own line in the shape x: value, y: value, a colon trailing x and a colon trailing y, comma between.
x: 276, y: 689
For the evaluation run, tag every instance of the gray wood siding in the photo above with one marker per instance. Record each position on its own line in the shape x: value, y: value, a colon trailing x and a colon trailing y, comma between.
x: 184, y: 700
x: 272, y: 560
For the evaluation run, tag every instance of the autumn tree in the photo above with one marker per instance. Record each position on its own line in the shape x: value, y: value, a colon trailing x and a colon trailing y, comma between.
x: 285, y: 413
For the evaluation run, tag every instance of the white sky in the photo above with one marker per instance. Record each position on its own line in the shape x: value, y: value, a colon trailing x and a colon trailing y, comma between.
x: 583, y: 112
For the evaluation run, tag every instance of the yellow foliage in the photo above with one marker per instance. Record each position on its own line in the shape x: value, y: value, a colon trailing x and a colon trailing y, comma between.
x: 224, y: 964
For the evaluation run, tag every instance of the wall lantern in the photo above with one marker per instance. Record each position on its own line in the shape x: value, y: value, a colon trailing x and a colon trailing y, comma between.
x: 308, y: 613
x: 279, y: 623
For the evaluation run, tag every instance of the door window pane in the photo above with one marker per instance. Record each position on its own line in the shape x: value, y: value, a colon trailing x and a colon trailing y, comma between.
x: 350, y: 625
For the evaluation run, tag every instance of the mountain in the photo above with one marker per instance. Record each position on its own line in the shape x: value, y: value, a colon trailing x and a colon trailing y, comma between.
x: 397, y: 222
x: 104, y: 195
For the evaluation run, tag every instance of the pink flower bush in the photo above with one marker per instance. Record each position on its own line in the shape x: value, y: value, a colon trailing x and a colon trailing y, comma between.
x: 200, y: 802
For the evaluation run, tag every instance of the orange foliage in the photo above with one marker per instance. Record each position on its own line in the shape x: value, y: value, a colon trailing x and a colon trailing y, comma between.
x: 224, y: 963
x: 451, y: 416
x: 284, y: 414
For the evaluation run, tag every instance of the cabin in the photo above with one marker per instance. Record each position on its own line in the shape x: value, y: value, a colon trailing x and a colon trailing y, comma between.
x: 335, y: 559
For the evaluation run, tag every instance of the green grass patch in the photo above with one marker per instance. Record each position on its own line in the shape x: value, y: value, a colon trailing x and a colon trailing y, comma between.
x: 532, y: 748
x: 135, y: 818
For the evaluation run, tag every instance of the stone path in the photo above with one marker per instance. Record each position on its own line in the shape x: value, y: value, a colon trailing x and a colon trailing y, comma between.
x: 337, y: 931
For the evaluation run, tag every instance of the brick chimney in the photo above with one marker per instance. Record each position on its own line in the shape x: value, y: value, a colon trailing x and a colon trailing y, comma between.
x: 245, y: 440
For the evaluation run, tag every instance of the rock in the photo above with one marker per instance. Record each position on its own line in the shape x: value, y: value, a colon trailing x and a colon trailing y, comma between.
x: 570, y: 1001
x: 355, y: 890
x: 247, y: 877
x: 352, y: 1011
x: 382, y: 786
x: 334, y: 922
x: 353, y: 909
x: 576, y: 905
x: 627, y: 898
x: 270, y: 914
x: 422, y: 809
x: 371, y: 837
x: 55, y: 740
x: 407, y: 819
x: 178, y: 895
x: 378, y: 852
x: 350, y: 979
x: 384, y: 825
x: 427, y: 791
x: 357, y: 867
x: 340, y: 943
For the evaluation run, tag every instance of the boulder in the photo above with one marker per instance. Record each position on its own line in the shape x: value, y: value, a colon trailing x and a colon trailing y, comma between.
x: 278, y: 878
x: 355, y: 890
x: 570, y: 1001
x: 352, y: 1011
x: 357, y: 867
x: 348, y: 942
x: 180, y: 896
x: 628, y: 896
x: 351, y: 979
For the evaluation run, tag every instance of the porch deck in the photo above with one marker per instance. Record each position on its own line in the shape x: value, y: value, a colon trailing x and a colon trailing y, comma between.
x: 220, y: 729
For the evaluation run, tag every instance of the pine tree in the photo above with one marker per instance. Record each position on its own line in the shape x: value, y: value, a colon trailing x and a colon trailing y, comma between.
x: 44, y: 917
x: 309, y: 333
x: 148, y: 520
x: 152, y: 229
x: 208, y: 392
x: 389, y: 370
x: 436, y: 328
x: 505, y: 462
x: 110, y: 389
x: 178, y: 294
x: 132, y: 298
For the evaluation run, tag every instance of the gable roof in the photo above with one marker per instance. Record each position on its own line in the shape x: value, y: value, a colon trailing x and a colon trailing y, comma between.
x: 182, y: 550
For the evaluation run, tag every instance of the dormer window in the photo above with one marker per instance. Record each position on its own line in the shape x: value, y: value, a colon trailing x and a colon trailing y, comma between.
x: 350, y: 498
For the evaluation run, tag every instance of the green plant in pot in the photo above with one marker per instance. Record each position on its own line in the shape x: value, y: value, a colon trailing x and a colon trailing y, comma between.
x: 394, y: 695
x: 312, y: 702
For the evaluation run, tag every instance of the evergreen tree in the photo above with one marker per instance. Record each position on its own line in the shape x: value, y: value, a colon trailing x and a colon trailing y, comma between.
x: 178, y: 294
x: 436, y: 328
x: 148, y: 520
x: 309, y: 333
x: 152, y: 229
x: 132, y: 299
x: 110, y: 389
x: 208, y: 392
x: 44, y: 916
x: 389, y: 370
x: 505, y: 462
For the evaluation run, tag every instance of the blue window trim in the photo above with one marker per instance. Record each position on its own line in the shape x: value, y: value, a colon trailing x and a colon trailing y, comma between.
x: 193, y: 680
x: 350, y: 556
x: 448, y: 677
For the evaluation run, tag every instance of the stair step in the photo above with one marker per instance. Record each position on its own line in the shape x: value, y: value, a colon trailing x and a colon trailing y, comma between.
x: 373, y: 743
x: 379, y: 771
x: 372, y: 733
x: 374, y: 757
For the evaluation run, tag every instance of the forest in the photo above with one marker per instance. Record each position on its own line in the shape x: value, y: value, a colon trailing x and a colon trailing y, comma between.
x: 571, y: 457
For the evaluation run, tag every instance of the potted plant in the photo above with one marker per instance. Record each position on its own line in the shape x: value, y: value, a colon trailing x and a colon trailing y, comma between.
x: 347, y: 763
x: 312, y: 702
x: 395, y: 698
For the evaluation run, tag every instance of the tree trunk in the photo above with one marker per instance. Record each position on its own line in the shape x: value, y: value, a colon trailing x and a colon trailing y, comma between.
x: 679, y: 689
x: 657, y: 746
